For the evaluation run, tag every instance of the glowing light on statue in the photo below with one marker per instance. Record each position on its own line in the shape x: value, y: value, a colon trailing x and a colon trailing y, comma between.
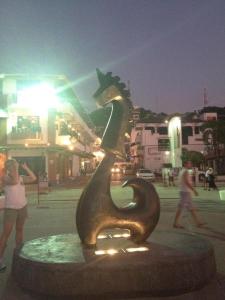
x: 137, y: 249
x: 116, y: 235
x: 102, y: 236
x: 109, y: 252
x: 119, y: 235
x: 121, y: 250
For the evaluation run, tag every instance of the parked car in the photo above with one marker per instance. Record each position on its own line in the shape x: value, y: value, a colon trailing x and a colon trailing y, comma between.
x: 145, y: 174
x: 116, y: 173
x: 129, y: 170
x: 116, y: 169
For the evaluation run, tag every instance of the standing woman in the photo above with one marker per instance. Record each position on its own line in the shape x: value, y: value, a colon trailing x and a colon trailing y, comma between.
x: 15, y: 211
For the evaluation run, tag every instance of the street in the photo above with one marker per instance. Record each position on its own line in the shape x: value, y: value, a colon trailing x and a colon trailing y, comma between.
x: 55, y: 214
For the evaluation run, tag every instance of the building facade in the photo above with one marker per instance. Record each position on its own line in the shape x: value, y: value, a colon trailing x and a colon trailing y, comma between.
x: 154, y: 144
x: 43, y: 123
x: 150, y: 145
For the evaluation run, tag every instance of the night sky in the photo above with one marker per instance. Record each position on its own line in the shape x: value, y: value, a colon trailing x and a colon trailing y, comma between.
x: 169, y: 50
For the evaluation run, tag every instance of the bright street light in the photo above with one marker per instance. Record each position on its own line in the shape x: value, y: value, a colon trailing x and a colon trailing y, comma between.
x: 38, y: 97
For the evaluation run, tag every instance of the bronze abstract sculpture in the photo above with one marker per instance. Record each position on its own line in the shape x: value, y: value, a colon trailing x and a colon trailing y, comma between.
x: 96, y: 210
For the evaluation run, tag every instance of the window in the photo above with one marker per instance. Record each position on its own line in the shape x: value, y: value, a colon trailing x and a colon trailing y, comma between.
x: 31, y: 122
x: 163, y: 145
x: 63, y: 128
x: 150, y: 128
x: 186, y: 132
x: 26, y: 127
x: 197, y: 129
x: 162, y: 130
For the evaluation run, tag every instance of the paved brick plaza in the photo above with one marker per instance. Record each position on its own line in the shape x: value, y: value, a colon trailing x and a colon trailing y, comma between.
x: 55, y: 214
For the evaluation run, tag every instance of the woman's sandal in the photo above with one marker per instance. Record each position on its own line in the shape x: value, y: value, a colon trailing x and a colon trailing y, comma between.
x: 201, y: 224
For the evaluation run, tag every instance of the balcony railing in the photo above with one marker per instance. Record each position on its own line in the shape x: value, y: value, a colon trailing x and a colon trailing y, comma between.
x: 25, y: 133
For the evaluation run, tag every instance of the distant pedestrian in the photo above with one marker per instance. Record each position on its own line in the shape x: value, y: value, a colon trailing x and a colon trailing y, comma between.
x: 185, y: 202
x: 171, y: 177
x: 206, y: 181
x: 165, y: 177
x: 15, y: 211
x: 211, y: 180
x: 57, y: 177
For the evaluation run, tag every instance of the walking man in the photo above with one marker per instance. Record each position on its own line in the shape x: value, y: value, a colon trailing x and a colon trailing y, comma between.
x: 185, y: 202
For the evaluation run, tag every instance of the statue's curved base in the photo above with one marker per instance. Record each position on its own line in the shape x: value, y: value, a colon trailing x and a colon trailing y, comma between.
x: 171, y: 264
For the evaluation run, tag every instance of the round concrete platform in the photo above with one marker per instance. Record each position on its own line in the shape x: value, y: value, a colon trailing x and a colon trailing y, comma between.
x: 167, y: 264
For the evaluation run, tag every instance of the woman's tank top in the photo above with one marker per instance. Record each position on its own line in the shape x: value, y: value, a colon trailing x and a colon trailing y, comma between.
x: 15, y: 195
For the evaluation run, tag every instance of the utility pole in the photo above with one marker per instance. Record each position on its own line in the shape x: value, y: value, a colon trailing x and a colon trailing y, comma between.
x: 205, y: 98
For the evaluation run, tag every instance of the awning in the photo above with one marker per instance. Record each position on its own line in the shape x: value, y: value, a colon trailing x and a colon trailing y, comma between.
x: 55, y: 148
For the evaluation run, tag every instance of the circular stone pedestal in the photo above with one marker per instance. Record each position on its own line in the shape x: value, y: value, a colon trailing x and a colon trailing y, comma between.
x: 168, y: 263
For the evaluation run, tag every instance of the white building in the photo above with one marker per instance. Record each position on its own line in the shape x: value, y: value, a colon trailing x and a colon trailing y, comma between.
x: 150, y: 145
x: 155, y: 144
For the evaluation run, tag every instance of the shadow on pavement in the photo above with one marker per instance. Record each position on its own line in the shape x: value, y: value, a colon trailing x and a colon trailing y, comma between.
x: 212, y: 233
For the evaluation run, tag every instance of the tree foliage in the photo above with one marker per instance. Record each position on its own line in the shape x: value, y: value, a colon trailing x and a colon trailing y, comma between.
x: 197, y: 158
x: 149, y: 116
